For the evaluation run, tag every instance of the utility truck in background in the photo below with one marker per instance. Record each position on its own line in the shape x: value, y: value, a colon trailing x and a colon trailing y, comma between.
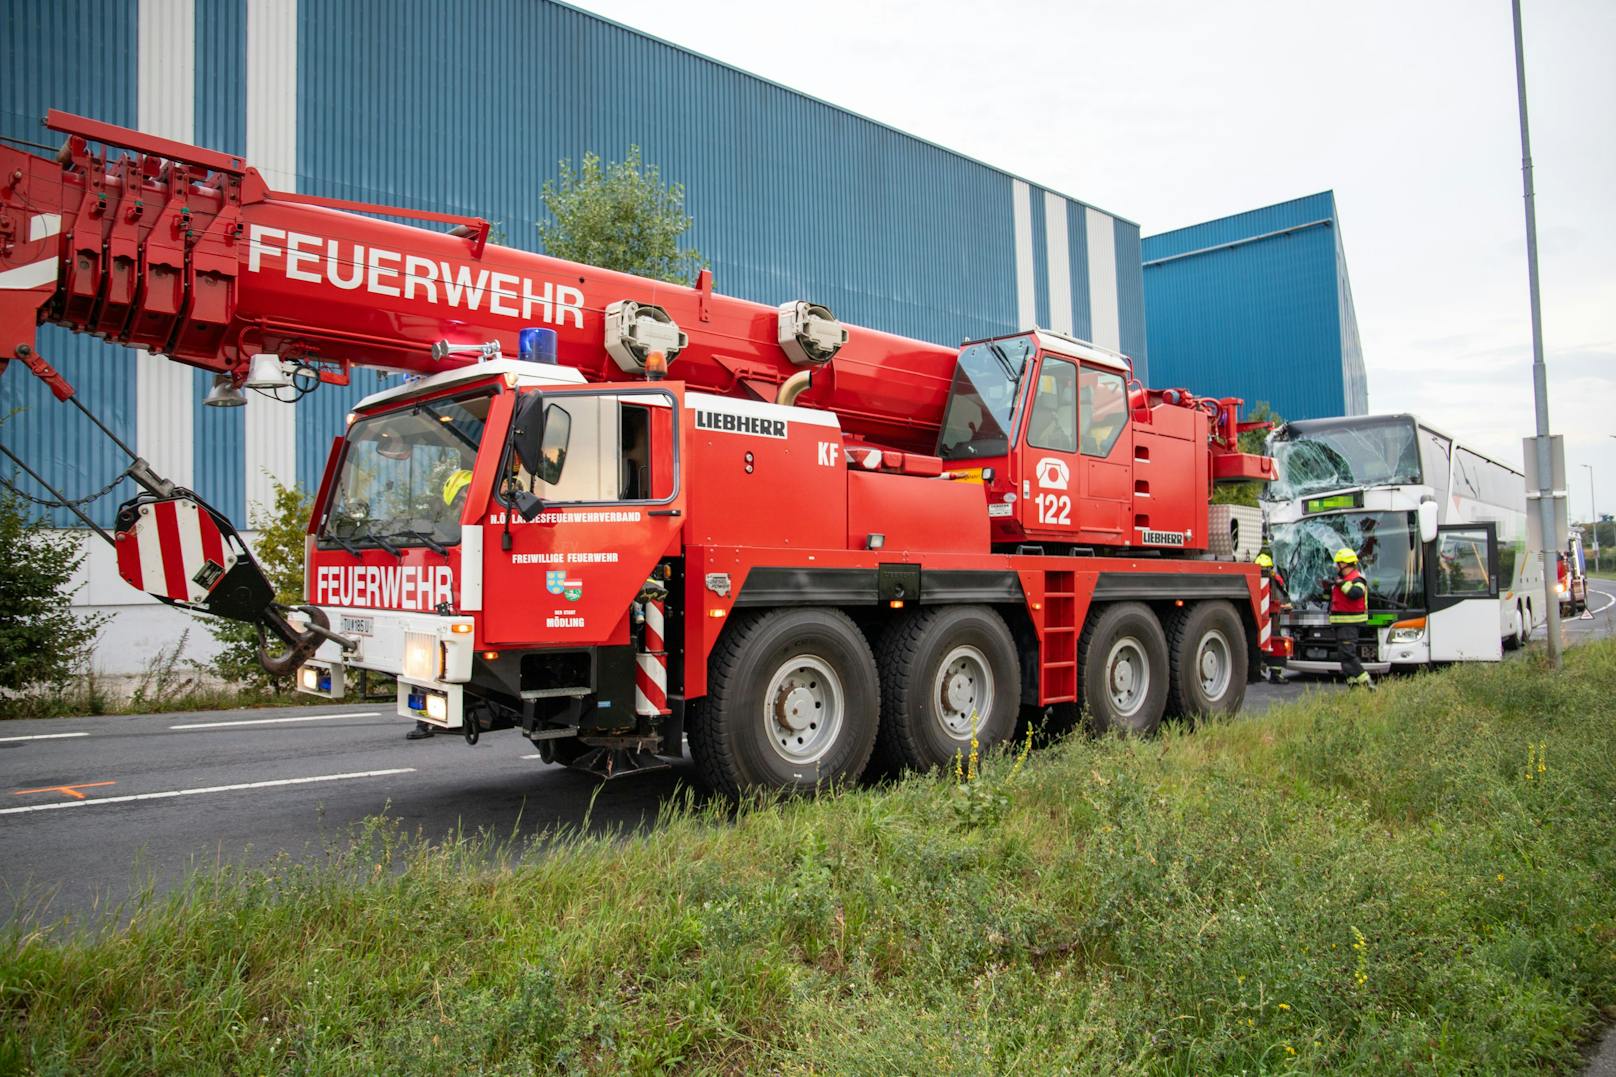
x: 616, y: 514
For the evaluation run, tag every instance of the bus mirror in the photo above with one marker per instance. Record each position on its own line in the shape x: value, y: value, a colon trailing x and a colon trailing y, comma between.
x: 1428, y: 518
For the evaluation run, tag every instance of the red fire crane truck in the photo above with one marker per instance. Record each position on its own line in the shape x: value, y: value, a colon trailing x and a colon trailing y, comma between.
x: 795, y: 542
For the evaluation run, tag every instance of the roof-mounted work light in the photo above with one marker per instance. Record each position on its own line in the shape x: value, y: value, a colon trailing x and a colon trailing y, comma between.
x: 224, y: 393
x: 484, y: 352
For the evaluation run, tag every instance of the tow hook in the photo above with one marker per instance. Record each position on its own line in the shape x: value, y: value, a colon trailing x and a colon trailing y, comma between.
x: 302, y: 645
x: 471, y: 727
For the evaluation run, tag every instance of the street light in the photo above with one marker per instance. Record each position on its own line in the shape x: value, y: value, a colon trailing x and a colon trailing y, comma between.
x: 1593, y: 510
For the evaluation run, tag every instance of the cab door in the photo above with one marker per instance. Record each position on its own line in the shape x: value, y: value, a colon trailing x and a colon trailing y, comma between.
x: 1105, y: 447
x: 1051, y: 473
x: 1466, y: 616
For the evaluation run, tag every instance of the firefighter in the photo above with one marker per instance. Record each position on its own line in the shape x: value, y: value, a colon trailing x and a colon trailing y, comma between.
x: 1349, y: 608
x: 454, y: 499
x: 1274, y: 668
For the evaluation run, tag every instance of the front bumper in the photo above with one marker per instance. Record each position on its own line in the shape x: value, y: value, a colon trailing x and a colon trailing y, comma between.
x: 430, y: 654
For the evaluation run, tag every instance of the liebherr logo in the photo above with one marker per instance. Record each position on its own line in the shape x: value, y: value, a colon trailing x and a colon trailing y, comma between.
x: 353, y: 266
x: 740, y: 424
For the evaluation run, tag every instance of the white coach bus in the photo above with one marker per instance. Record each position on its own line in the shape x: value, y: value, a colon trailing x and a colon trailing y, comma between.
x: 1440, y: 533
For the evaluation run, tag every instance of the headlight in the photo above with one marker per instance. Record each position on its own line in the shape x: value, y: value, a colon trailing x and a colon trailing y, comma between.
x: 423, y: 657
x: 1411, y: 631
x: 1560, y: 587
x: 437, y: 707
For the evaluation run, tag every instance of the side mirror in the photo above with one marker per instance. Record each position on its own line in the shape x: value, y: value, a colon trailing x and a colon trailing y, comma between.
x: 1428, y: 518
x: 527, y: 431
x: 555, y: 434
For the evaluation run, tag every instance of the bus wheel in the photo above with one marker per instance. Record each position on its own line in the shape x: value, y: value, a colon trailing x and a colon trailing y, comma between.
x: 792, y: 703
x: 1513, y: 641
x: 1122, y: 660
x: 946, y: 673
x: 1206, y: 649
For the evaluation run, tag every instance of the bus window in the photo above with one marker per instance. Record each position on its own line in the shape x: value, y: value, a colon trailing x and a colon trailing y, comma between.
x: 1461, y: 568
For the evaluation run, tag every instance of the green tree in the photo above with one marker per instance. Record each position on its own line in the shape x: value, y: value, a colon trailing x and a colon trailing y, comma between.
x: 42, y: 641
x: 1246, y: 493
x: 619, y: 215
x: 279, y: 550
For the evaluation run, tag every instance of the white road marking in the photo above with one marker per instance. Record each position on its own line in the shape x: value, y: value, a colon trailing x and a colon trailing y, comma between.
x: 277, y: 721
x: 46, y: 736
x: 535, y: 755
x: 1610, y: 600
x: 170, y: 793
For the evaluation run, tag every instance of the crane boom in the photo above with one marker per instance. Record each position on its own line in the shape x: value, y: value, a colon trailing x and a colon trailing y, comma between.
x: 187, y: 252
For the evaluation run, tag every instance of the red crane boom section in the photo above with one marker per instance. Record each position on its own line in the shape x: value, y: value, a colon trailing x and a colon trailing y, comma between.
x: 187, y: 252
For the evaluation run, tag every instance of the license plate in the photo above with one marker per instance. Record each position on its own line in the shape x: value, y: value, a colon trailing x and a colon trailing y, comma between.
x: 358, y: 626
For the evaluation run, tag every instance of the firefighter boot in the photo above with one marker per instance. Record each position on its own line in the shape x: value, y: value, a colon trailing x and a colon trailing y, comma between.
x: 1361, y: 681
x: 421, y: 731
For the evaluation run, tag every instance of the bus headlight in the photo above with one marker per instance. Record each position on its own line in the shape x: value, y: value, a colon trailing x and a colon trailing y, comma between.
x: 1411, y: 631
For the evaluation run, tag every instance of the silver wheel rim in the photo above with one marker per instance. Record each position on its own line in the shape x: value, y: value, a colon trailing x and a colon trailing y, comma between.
x: 802, y: 710
x: 964, y: 687
x: 1127, y: 676
x: 1212, y: 664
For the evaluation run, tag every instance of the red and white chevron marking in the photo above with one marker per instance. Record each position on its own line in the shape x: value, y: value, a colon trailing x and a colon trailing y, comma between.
x: 174, y: 550
x: 651, y: 670
x: 1264, y: 623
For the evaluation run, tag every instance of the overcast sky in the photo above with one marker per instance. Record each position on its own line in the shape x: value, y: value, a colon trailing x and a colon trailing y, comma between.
x: 1169, y: 113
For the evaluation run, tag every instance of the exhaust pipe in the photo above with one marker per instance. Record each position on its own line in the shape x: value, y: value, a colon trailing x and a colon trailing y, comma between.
x: 794, y: 386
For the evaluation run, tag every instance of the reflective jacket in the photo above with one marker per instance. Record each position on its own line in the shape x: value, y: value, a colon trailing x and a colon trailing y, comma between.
x: 1349, y: 599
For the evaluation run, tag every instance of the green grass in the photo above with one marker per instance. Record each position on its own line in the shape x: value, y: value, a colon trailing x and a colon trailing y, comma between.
x: 1422, y: 879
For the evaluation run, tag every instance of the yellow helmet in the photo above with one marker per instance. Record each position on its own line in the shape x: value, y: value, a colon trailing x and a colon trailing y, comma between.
x: 456, y: 482
x: 1344, y: 556
x: 1264, y: 561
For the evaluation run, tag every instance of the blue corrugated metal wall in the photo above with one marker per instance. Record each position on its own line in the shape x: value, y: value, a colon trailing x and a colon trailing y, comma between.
x: 80, y: 58
x: 468, y: 109
x: 1257, y: 305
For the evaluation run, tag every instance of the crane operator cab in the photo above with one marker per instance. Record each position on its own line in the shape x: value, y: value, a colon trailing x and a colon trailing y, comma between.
x: 1047, y: 420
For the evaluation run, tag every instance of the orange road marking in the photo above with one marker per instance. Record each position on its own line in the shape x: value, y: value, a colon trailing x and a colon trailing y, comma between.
x: 65, y: 790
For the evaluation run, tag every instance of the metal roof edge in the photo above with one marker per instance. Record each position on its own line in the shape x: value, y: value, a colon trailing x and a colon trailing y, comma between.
x: 839, y: 108
x: 1328, y: 192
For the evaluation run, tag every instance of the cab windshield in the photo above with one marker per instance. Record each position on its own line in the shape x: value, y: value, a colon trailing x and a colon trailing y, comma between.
x: 1388, y: 549
x: 1315, y: 457
x: 982, y: 400
x: 405, y: 475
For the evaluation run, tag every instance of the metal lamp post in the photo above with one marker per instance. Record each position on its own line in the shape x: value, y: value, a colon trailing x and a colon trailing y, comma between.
x: 1593, y: 511
x: 1540, y: 376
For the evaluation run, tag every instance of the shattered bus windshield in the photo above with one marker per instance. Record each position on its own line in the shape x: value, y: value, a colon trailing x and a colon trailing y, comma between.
x: 1333, y: 454
x: 406, y: 474
x: 982, y: 399
x: 1388, y: 549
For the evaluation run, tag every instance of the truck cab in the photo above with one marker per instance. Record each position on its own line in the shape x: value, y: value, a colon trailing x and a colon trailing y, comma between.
x: 1074, y: 452
x: 470, y: 519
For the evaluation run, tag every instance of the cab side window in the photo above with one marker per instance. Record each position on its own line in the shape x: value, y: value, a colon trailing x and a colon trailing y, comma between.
x: 1104, y: 410
x: 1054, y: 408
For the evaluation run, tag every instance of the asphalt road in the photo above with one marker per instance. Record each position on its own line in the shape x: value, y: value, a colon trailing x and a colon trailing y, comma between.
x: 95, y: 809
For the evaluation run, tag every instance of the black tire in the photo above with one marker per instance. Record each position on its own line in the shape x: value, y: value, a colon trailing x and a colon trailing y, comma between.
x: 1207, y: 655
x: 816, y: 662
x: 934, y: 664
x: 1109, y: 632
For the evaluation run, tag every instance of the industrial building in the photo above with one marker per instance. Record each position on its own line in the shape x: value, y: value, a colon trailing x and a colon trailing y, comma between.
x: 1258, y: 305
x: 468, y: 109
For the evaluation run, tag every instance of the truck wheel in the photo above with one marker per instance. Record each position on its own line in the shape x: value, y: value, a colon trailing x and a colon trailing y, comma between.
x: 1122, y: 659
x: 939, y: 667
x: 1206, y: 649
x: 792, y: 704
